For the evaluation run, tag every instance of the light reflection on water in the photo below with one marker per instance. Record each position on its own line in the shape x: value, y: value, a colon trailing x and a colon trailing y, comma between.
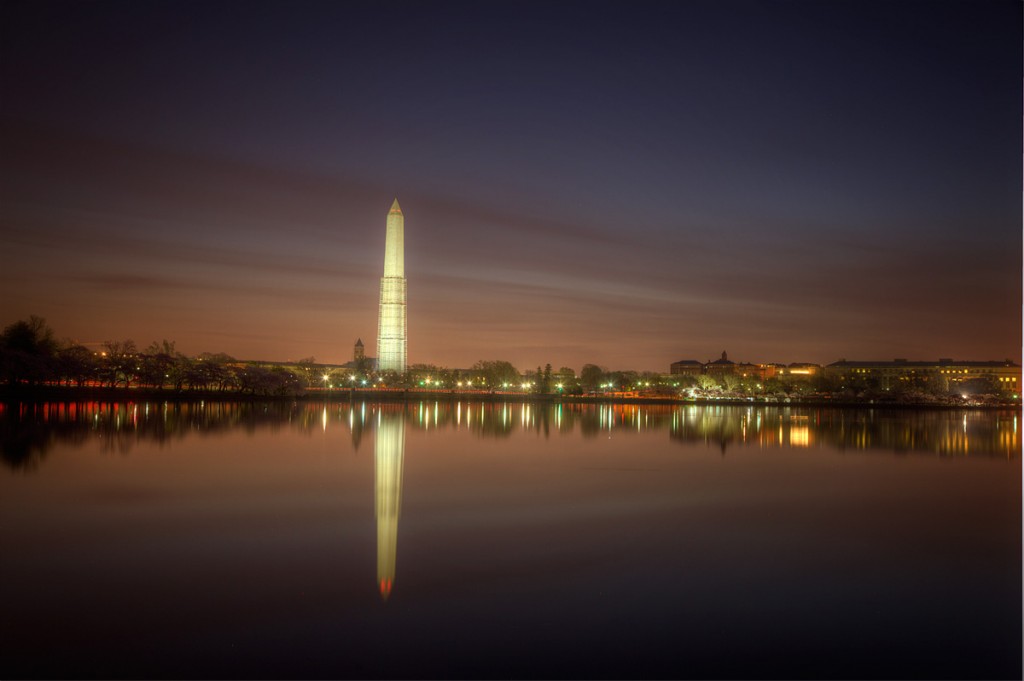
x: 389, y: 455
x: 554, y: 540
x: 28, y: 430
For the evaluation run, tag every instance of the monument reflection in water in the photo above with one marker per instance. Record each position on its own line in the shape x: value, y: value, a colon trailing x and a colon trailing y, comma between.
x: 236, y: 539
x: 389, y: 453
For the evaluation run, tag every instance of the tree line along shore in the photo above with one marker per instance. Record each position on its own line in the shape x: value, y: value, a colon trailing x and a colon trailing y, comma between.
x: 34, y: 364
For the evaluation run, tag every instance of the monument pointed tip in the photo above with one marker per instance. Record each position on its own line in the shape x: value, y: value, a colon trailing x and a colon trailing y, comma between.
x: 395, y: 208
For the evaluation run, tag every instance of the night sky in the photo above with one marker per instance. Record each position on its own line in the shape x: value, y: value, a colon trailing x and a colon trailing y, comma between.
x: 627, y: 184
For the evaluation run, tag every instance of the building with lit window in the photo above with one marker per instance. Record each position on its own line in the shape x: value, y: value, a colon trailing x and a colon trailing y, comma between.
x: 1005, y: 374
x: 801, y: 369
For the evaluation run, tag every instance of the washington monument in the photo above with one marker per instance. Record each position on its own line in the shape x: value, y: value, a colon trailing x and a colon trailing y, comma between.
x: 391, y: 334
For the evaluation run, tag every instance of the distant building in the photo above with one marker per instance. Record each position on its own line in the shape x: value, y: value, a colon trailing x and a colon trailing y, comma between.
x: 723, y: 365
x: 359, y: 361
x: 802, y: 369
x: 758, y: 371
x: 686, y: 367
x: 720, y: 366
x: 1005, y: 374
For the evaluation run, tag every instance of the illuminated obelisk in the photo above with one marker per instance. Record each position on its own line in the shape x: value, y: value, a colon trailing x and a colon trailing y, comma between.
x: 389, y: 451
x: 391, y: 335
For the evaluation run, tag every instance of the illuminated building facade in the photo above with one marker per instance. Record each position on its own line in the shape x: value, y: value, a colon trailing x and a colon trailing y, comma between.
x: 1005, y: 374
x: 391, y: 323
x: 802, y: 369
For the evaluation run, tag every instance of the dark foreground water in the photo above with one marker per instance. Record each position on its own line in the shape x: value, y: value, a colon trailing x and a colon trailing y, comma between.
x: 507, y: 540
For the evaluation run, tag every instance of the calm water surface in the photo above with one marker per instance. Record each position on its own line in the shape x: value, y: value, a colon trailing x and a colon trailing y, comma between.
x: 462, y: 539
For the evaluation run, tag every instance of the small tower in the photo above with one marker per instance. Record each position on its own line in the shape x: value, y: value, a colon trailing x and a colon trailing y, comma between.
x: 358, y: 352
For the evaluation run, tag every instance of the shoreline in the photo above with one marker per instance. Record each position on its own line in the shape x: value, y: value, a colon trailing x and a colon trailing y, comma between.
x: 74, y: 394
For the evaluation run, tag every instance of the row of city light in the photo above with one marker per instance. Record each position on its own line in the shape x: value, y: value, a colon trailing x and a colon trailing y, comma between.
x: 432, y: 382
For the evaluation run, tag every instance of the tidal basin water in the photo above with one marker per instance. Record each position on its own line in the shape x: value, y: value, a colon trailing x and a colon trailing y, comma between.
x: 471, y: 539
